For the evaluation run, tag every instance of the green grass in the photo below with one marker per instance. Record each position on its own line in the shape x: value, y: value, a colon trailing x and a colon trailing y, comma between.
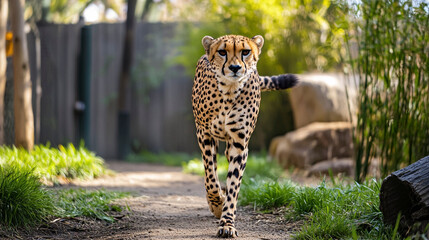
x: 256, y: 166
x: 266, y: 195
x: 195, y: 166
x: 23, y: 200
x: 308, y: 199
x: 80, y: 202
x: 335, y: 212
x: 49, y: 163
x: 169, y: 159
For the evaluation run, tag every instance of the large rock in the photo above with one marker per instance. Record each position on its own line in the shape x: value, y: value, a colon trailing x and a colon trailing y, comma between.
x: 322, y: 98
x: 335, y: 167
x: 313, y: 143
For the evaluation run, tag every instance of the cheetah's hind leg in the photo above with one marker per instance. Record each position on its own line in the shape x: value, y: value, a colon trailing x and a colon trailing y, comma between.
x: 216, y: 203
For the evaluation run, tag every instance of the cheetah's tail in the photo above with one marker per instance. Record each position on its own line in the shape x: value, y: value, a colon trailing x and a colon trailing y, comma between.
x: 284, y: 81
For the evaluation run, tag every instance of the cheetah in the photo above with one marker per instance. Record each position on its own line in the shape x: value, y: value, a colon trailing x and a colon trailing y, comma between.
x: 226, y: 97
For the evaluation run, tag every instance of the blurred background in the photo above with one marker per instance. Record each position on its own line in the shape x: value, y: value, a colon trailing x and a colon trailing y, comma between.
x: 363, y: 66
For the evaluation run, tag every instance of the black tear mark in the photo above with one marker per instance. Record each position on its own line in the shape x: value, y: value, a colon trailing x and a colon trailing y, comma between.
x: 223, y: 66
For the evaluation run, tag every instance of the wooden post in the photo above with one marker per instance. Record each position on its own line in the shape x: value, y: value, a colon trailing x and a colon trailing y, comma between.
x: 123, y: 108
x: 23, y: 111
x: 3, y: 63
x: 406, y: 191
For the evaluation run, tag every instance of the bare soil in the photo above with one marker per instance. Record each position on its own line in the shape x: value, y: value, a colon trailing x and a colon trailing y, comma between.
x: 165, y: 204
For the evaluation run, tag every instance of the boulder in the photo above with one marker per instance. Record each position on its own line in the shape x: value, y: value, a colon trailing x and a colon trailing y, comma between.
x: 313, y: 143
x: 322, y: 98
x: 335, y: 166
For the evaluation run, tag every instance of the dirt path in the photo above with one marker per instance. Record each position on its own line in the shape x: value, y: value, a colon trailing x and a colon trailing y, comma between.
x: 166, y: 204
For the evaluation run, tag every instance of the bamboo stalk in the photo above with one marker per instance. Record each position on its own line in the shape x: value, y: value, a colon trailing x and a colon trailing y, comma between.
x: 393, y: 67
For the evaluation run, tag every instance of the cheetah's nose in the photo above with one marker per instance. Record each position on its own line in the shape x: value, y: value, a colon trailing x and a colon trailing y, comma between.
x: 234, y: 68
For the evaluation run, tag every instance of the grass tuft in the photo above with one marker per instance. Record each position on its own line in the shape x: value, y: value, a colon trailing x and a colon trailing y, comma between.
x: 309, y: 200
x: 330, y: 212
x: 81, y: 202
x: 266, y: 195
x: 50, y: 163
x: 325, y: 226
x: 23, y: 200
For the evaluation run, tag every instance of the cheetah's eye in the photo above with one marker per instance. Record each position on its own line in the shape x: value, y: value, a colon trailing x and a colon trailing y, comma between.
x: 222, y: 52
x: 245, y: 52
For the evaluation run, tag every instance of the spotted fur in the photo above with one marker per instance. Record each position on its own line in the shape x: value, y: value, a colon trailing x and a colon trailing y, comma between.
x: 226, y: 97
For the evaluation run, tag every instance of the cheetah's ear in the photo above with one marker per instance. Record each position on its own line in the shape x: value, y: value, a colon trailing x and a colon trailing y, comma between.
x: 259, y: 41
x: 207, y: 42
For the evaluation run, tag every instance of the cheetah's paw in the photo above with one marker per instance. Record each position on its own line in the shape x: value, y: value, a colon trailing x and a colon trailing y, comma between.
x: 227, y: 232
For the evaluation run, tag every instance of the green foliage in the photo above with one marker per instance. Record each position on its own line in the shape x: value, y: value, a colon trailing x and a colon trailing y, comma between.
x: 392, y: 64
x: 23, y: 200
x: 50, y: 163
x: 195, y: 166
x: 266, y: 195
x: 299, y: 35
x: 65, y: 11
x: 256, y: 166
x: 169, y: 159
x: 337, y: 212
x: 309, y: 199
x: 80, y: 202
x: 322, y: 226
x: 333, y: 212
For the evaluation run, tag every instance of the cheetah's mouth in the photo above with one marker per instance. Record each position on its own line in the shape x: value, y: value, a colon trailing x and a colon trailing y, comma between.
x: 236, y: 76
x: 233, y: 78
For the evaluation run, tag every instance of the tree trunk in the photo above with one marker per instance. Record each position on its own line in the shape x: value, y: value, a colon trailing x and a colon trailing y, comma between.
x: 123, y: 109
x: 23, y: 112
x: 3, y: 63
x: 406, y: 191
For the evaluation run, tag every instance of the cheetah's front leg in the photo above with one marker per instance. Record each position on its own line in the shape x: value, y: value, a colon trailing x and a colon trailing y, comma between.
x: 237, y: 157
x: 214, y: 194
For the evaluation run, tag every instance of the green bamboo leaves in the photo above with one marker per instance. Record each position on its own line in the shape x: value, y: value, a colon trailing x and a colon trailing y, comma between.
x: 393, y: 68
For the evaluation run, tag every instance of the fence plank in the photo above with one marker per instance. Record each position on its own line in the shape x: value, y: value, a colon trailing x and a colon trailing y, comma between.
x: 107, y: 49
x: 59, y: 51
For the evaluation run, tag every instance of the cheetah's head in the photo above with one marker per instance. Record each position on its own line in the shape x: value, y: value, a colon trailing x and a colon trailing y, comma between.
x: 233, y: 57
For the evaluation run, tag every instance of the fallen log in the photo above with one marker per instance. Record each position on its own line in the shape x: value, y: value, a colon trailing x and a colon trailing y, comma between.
x: 406, y: 191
